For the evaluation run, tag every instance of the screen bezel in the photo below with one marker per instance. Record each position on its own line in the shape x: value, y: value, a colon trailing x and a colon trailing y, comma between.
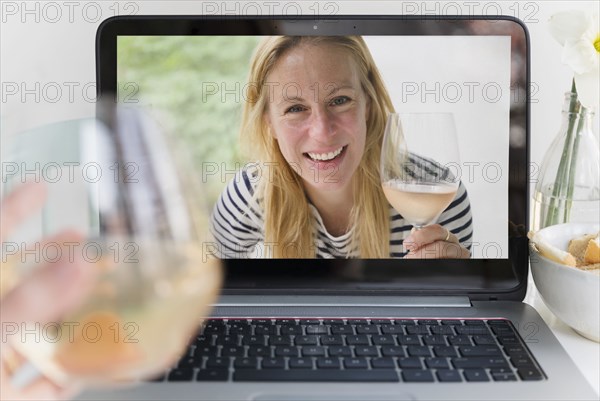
x: 480, y: 279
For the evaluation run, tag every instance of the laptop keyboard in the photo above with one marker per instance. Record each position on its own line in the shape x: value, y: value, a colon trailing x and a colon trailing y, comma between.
x: 355, y: 350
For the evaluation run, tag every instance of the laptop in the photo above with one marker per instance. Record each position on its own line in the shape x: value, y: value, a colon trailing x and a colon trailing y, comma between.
x: 358, y: 328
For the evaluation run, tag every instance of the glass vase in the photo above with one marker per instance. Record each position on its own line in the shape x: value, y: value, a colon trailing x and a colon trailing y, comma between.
x: 568, y: 185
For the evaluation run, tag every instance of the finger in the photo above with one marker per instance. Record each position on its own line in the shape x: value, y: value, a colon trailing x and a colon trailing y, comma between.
x: 19, y: 204
x: 439, y: 250
x: 51, y: 290
x: 427, y: 235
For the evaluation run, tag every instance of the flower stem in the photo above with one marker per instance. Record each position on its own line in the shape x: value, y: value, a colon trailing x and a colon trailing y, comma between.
x: 558, y: 191
x: 573, y: 166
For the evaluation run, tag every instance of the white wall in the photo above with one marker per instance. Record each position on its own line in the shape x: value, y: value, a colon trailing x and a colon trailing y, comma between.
x: 47, y: 48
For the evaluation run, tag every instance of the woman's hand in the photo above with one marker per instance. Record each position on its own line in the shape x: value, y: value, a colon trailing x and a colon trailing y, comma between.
x: 434, y: 242
x: 53, y: 289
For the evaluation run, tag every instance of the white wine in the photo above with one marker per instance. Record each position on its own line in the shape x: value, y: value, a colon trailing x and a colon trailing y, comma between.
x: 135, y: 324
x: 419, y: 204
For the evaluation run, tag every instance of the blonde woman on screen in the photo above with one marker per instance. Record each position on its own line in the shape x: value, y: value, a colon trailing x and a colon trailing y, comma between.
x: 313, y: 119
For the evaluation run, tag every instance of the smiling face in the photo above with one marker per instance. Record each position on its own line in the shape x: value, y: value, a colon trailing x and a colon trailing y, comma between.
x: 317, y: 112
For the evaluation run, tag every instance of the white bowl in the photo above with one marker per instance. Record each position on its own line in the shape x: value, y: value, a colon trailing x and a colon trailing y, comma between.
x: 573, y: 295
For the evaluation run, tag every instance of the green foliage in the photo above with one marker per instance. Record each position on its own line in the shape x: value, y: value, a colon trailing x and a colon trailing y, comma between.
x: 197, y: 85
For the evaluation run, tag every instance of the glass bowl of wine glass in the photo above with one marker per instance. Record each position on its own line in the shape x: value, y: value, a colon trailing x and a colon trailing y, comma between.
x: 120, y: 181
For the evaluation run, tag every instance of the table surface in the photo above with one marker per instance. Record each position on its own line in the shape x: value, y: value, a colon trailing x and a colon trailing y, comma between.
x: 585, y: 353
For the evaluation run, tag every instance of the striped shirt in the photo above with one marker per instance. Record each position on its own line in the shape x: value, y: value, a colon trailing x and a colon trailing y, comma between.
x: 237, y: 224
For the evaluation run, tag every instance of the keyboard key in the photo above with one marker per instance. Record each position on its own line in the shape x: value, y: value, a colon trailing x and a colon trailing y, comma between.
x: 339, y: 351
x: 300, y: 363
x: 181, y: 375
x: 416, y: 350
x: 474, y: 322
x: 452, y: 322
x: 436, y: 363
x: 416, y: 375
x: 328, y: 363
x: 311, y: 322
x: 519, y: 361
x: 253, y: 340
x: 326, y: 375
x: 484, y: 340
x: 367, y: 330
x: 213, y: 375
x: 246, y: 363
x: 189, y: 362
x: 382, y: 321
x: 232, y: 351
x: 312, y: 351
x: 444, y: 352
x: 306, y: 340
x: 227, y: 341
x: 273, y: 363
x: 479, y: 350
x: 408, y: 340
x: 355, y: 363
x: 405, y: 322
x: 357, y: 340
x: 392, y: 330
x: 286, y: 351
x: 503, y: 377
x: 285, y: 322
x: 434, y: 340
x: 213, y: 363
x: 237, y: 321
x: 459, y: 340
x: 342, y: 330
x: 529, y: 373
x: 317, y: 330
x: 265, y: 330
x: 385, y: 339
x: 358, y: 321
x: 472, y: 330
x: 332, y: 340
x: 417, y: 330
x: 266, y: 322
x: 428, y: 322
x: 442, y: 330
x: 476, y: 375
x: 410, y: 363
x: 383, y: 363
x: 291, y: 331
x: 366, y: 351
x: 479, y: 362
x: 333, y: 321
x: 392, y: 351
x: 205, y: 351
x: 280, y: 340
x: 259, y: 351
x: 446, y: 375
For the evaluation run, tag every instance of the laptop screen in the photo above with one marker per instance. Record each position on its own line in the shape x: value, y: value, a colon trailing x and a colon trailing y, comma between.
x: 278, y: 116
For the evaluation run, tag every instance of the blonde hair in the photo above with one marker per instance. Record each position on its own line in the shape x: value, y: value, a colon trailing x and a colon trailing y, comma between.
x: 289, y: 225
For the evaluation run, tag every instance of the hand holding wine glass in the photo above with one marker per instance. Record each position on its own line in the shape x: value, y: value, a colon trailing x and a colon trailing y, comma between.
x: 418, y: 154
x: 144, y: 238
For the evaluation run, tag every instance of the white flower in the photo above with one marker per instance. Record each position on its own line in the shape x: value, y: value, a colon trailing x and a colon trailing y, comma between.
x: 579, y: 34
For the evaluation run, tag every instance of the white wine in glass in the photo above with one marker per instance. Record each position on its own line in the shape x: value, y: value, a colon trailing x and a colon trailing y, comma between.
x: 418, y: 157
x: 146, y: 236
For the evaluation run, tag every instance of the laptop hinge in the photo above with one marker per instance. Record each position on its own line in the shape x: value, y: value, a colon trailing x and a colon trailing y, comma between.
x: 325, y: 300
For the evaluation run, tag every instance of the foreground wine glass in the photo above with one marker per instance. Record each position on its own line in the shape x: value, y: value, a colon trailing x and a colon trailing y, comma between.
x: 146, y: 232
x: 418, y: 155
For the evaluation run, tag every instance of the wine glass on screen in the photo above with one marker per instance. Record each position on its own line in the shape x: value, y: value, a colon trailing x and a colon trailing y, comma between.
x: 144, y: 230
x: 418, y: 155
